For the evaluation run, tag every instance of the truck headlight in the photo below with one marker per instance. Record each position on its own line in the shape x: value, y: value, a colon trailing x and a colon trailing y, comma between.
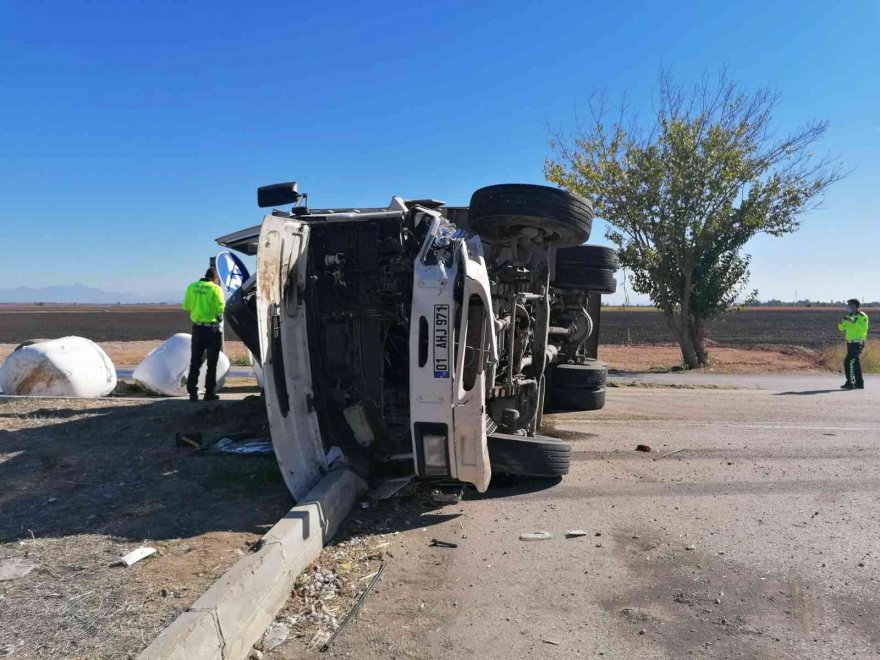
x: 432, y: 449
x: 435, y: 454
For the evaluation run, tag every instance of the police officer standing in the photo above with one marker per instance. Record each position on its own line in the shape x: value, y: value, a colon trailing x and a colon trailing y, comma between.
x: 855, y: 327
x: 205, y: 304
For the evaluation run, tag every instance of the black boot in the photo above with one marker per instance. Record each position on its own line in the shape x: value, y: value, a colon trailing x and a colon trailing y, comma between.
x: 210, y: 396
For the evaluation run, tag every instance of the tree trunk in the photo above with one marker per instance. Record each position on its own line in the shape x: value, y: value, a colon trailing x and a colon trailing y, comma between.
x: 688, y: 350
x: 698, y: 329
x: 682, y: 331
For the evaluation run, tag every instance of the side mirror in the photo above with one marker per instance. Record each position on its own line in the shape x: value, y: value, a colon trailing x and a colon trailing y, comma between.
x: 278, y: 194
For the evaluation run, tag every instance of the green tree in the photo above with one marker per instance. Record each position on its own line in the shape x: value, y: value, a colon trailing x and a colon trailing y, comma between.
x: 685, y: 193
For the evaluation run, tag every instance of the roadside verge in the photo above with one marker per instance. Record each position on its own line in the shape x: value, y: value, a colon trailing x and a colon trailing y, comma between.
x: 232, y: 615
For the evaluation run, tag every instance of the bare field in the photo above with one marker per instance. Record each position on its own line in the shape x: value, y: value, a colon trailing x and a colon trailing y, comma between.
x: 98, y: 323
x: 812, y: 327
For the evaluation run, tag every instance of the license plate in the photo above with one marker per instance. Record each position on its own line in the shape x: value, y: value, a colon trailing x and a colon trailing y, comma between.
x: 441, y: 341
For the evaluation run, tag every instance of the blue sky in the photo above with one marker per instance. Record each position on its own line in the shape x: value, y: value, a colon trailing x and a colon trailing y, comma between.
x: 136, y: 132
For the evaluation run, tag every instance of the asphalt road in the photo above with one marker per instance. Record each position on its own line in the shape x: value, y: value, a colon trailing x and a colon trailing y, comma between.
x: 773, y: 382
x: 759, y: 539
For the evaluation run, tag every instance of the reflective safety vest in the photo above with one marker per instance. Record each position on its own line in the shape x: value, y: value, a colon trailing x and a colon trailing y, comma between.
x: 204, y: 302
x: 855, y: 326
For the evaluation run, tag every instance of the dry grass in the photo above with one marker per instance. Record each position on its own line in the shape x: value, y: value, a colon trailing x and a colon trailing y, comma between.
x: 832, y: 358
x: 86, y: 481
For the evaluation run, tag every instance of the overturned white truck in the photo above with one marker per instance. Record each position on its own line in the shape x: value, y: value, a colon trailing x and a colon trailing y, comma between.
x: 420, y: 338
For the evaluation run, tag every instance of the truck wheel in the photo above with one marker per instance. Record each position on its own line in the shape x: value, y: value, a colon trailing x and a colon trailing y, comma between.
x: 594, y: 256
x: 579, y: 400
x: 586, y: 267
x: 600, y: 280
x: 538, y: 456
x: 517, y: 211
x: 578, y: 386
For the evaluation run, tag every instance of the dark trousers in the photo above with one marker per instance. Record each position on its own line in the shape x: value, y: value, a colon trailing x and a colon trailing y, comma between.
x: 852, y: 365
x: 205, y: 339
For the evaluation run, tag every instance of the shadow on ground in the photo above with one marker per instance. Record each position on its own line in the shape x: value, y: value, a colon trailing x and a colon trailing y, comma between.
x: 113, y: 468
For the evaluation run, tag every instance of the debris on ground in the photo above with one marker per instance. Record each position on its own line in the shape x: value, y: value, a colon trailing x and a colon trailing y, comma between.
x: 388, y: 488
x: 188, y: 440
x: 244, y: 425
x: 670, y: 453
x: 446, y: 497
x: 15, y: 568
x: 575, y: 533
x: 126, y: 388
x: 643, y: 448
x: 536, y: 536
x: 135, y: 556
x: 243, y: 443
x: 353, y: 612
x: 275, y: 636
x: 436, y: 543
x: 326, y: 592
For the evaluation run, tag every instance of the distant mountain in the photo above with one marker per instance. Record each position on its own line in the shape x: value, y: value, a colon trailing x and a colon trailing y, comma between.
x: 78, y: 293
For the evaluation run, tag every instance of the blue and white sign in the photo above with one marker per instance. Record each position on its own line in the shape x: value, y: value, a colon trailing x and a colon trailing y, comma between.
x: 231, y: 270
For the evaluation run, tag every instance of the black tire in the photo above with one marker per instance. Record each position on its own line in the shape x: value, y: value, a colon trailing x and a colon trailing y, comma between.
x: 585, y: 278
x: 593, y: 256
x: 578, y: 400
x: 538, y: 456
x: 578, y: 387
x: 512, y: 211
x: 590, y: 376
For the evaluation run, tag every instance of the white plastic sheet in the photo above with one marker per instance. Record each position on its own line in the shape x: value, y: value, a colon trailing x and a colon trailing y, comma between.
x: 70, y: 366
x: 166, y: 368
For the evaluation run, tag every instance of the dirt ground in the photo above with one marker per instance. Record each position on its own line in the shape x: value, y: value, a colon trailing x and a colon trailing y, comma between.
x: 724, y: 359
x: 85, y: 481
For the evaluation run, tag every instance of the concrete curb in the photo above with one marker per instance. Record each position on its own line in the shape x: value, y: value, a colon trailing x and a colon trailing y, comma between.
x: 233, y: 614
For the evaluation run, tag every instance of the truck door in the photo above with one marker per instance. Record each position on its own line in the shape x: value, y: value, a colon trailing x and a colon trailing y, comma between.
x: 281, y: 315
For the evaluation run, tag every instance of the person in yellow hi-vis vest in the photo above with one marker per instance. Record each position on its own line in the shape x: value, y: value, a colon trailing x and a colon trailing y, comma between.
x: 855, y: 327
x: 204, y: 302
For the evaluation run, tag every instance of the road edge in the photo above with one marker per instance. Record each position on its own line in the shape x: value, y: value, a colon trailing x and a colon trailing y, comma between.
x: 229, y: 618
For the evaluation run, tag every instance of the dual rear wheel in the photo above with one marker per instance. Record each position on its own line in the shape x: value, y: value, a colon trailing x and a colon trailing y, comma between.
x: 558, y: 219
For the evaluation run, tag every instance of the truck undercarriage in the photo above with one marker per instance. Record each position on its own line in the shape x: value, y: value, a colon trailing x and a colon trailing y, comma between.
x: 419, y: 338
